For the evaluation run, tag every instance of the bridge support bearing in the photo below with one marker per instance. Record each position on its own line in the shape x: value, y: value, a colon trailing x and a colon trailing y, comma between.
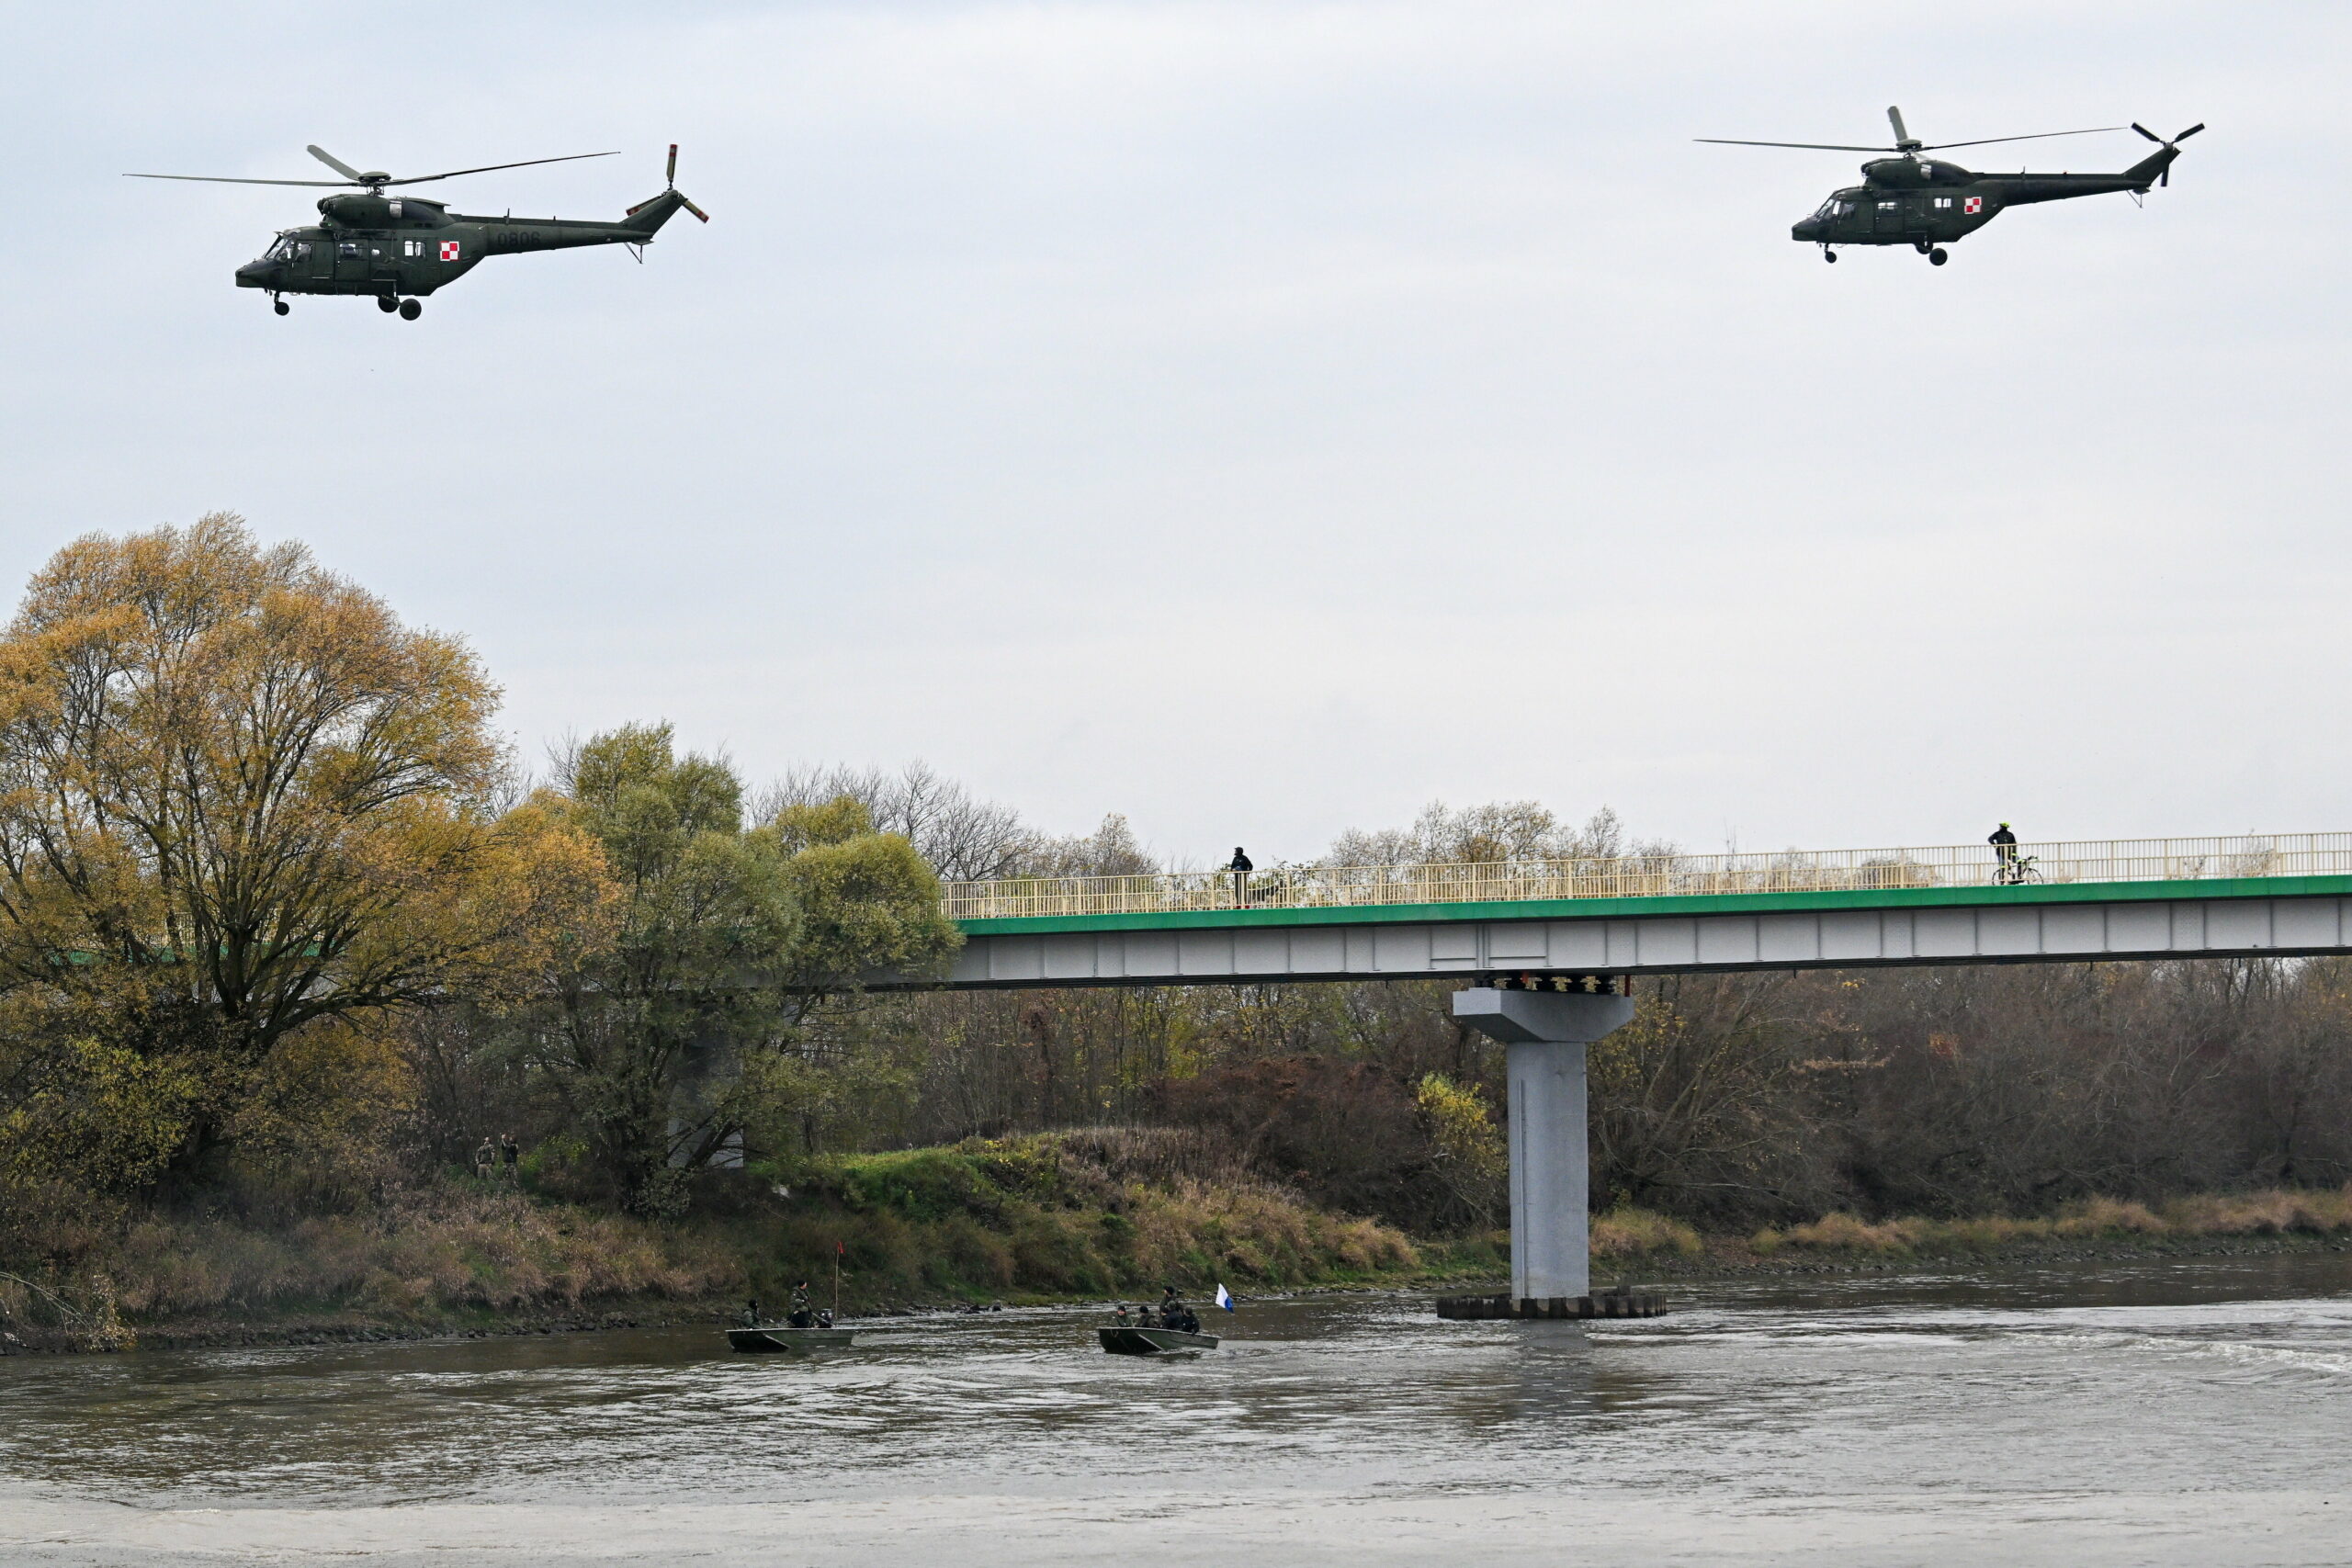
x: 1546, y: 1034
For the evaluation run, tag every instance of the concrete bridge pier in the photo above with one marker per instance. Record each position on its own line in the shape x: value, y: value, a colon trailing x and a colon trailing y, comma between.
x: 1551, y: 1233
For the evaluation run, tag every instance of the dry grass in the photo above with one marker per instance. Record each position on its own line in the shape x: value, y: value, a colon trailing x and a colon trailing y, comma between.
x: 448, y: 1252
x: 2278, y: 1212
x: 2275, y: 1213
x: 1629, y: 1233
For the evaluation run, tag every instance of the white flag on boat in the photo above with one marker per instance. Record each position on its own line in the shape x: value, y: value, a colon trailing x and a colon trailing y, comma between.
x: 1223, y: 1298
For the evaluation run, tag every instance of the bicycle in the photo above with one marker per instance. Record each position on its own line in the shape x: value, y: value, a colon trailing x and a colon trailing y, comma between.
x: 2015, y: 870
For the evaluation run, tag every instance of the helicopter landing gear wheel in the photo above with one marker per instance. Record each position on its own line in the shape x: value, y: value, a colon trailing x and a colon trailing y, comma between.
x: 1828, y: 255
x: 1938, y: 256
x: 387, y: 304
x: 411, y: 309
x: 280, y: 306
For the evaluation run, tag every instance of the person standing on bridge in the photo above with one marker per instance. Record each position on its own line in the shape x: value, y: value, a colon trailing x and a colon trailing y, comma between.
x: 2005, y: 854
x: 1241, y: 868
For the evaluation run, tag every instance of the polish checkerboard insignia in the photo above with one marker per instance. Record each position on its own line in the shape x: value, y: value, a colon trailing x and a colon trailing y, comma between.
x: 449, y: 248
x: 1971, y: 206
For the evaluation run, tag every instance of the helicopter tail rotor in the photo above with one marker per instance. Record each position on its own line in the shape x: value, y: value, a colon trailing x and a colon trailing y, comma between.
x: 671, y: 181
x: 2164, y: 177
x: 651, y: 214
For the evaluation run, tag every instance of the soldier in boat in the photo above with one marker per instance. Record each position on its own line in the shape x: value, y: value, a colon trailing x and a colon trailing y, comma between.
x: 1174, y: 1313
x: 800, y: 1316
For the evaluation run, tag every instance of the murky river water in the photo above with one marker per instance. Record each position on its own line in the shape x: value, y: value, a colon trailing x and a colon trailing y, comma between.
x: 2195, y: 1413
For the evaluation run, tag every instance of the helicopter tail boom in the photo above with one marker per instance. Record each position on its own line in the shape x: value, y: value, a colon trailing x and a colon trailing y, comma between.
x: 2156, y: 165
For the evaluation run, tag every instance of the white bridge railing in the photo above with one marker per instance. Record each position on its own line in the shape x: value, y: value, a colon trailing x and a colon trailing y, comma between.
x: 1791, y: 870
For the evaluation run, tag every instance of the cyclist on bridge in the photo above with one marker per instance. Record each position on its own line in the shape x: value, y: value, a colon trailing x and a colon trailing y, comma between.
x: 2005, y: 851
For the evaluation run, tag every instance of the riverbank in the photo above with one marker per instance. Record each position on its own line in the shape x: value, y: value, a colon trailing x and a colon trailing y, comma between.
x: 1050, y: 1218
x: 2276, y: 1220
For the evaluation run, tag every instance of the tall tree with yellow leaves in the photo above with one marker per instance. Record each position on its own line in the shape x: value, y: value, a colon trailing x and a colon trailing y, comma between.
x: 239, y: 798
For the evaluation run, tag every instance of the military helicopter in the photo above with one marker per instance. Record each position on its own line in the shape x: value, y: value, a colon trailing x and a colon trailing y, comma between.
x: 399, y: 248
x: 1910, y: 200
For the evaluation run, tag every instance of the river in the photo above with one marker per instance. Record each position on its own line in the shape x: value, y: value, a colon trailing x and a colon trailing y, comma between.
x: 2197, y: 1413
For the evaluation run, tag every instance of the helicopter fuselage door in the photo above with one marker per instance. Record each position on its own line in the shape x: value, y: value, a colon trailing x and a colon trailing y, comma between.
x: 352, y: 262
x: 1887, y: 218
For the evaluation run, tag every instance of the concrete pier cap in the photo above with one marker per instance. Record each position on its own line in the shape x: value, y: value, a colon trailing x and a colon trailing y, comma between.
x: 1518, y: 1018
x: 1546, y: 1033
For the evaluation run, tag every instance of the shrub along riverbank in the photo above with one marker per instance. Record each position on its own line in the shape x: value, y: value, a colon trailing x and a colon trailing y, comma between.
x: 1060, y: 1216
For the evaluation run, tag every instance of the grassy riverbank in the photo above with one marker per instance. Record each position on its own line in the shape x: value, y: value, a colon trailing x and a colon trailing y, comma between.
x: 1084, y: 1214
x: 2275, y: 1219
x: 1063, y: 1216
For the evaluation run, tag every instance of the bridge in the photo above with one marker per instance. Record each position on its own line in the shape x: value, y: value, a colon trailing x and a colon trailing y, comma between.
x: 2274, y: 895
x: 1549, y: 947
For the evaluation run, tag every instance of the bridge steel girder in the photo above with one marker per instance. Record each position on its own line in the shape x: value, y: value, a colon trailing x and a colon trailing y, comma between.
x: 2035, y: 925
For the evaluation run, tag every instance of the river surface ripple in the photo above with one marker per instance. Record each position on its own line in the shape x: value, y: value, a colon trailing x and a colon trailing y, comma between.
x: 2191, y: 1413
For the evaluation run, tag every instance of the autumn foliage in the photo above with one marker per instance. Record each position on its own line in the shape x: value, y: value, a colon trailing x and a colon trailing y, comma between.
x: 253, y: 829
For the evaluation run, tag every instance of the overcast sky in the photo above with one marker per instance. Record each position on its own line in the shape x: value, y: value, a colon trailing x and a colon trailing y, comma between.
x: 1263, y: 419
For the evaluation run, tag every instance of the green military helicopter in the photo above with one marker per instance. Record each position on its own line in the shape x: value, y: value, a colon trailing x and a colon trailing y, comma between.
x: 396, y: 249
x: 1910, y: 200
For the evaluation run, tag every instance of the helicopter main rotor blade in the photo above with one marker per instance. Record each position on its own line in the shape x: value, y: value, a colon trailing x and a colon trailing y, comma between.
x: 337, y: 164
x: 2036, y: 136
x: 486, y: 168
x: 1817, y: 146
x: 233, y: 180
x: 1894, y: 119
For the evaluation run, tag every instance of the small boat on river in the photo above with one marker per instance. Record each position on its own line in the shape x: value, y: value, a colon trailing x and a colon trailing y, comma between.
x: 782, y: 1336
x: 1135, y: 1340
